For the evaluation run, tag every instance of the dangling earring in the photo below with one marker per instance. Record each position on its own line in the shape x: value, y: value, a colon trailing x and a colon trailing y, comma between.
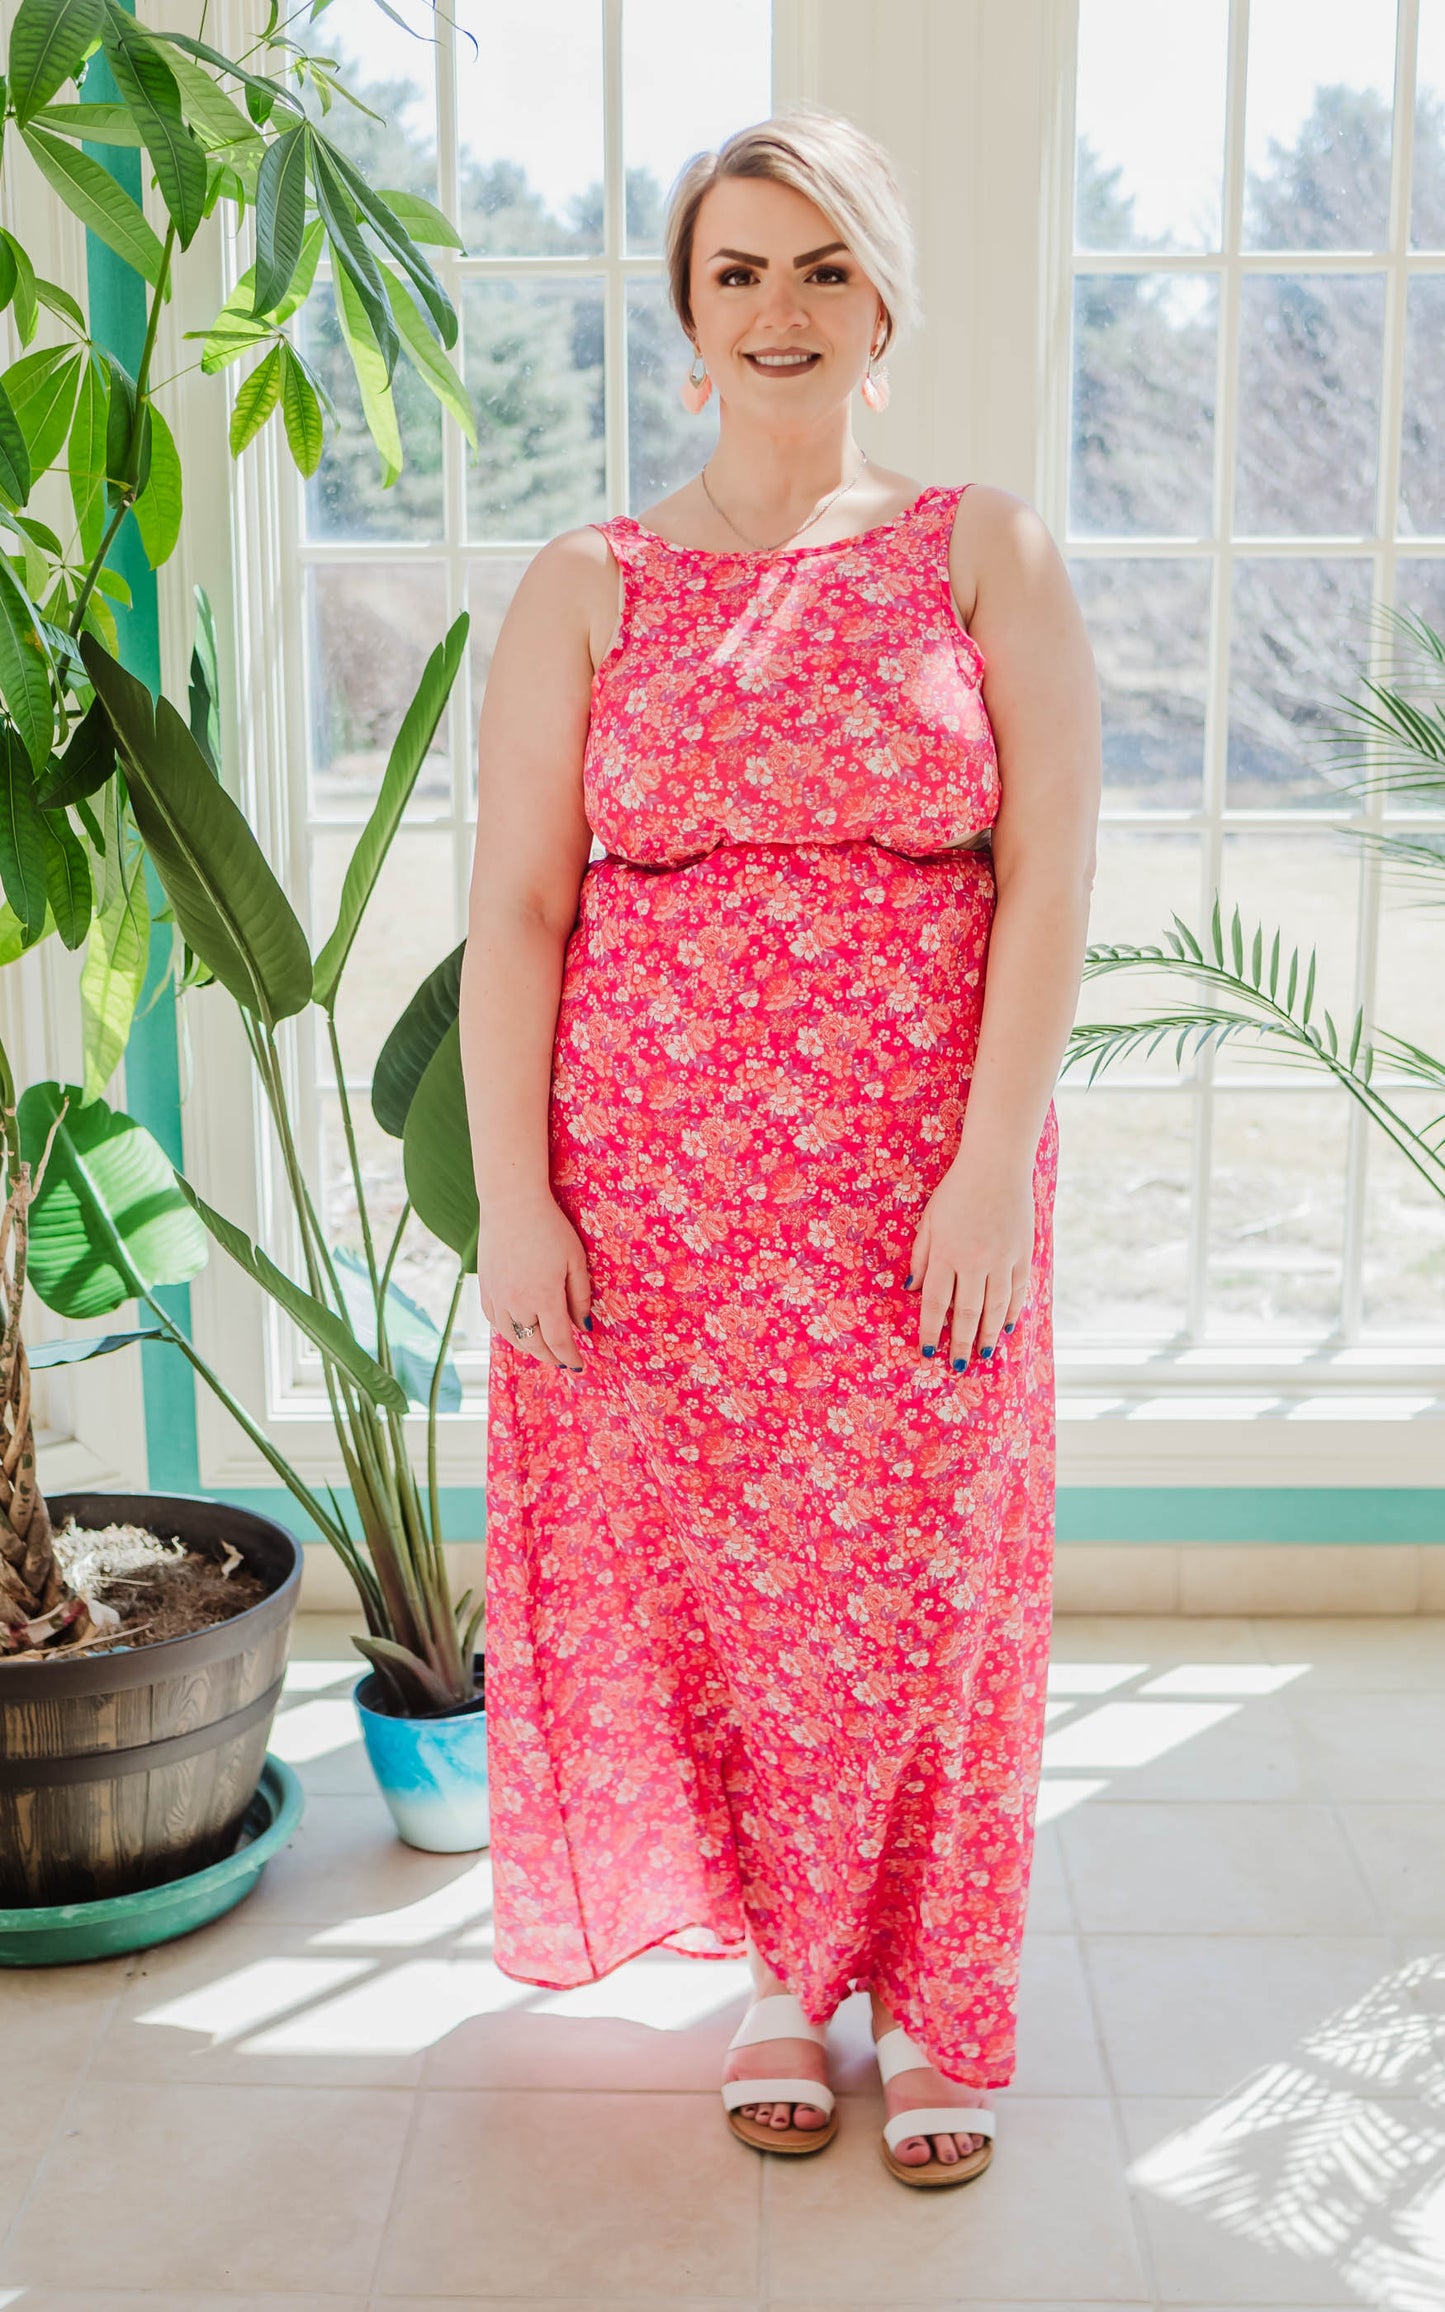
x: 695, y: 390
x: 875, y: 389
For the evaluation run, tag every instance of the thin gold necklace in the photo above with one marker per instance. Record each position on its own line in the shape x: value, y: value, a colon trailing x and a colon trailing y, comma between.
x: 816, y: 515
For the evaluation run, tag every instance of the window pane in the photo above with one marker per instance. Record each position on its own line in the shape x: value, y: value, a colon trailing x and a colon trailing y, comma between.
x: 1143, y: 418
x: 1309, y: 403
x: 1277, y: 1211
x: 1422, y: 446
x: 529, y: 112
x: 1143, y: 881
x: 391, y: 66
x: 1148, y: 622
x: 407, y: 929
x: 1427, y: 229
x: 1317, y: 123
x: 346, y: 496
x: 690, y: 77
x: 426, y: 1270
x: 1404, y: 1263
x: 1148, y: 172
x: 1122, y: 1223
x: 1300, y: 635
x: 490, y: 587
x: 534, y: 372
x: 1307, y: 887
x: 371, y: 629
x: 1410, y: 976
x: 666, y: 444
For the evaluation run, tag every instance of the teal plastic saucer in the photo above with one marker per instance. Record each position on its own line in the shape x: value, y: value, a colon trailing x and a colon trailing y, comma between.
x: 57, y: 1934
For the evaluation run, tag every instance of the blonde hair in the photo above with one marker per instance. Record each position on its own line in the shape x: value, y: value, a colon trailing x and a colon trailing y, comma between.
x: 835, y: 165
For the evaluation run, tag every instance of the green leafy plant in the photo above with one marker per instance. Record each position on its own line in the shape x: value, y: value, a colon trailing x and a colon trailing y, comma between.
x: 380, y: 1353
x: 1238, y: 985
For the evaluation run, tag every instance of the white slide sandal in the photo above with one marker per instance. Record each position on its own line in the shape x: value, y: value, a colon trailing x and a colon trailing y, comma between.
x: 897, y: 2052
x: 779, y: 2016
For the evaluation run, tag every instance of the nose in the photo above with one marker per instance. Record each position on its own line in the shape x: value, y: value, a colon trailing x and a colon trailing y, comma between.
x: 782, y: 306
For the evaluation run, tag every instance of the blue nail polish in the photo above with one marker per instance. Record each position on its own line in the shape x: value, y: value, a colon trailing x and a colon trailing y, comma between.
x: 960, y: 1364
x: 985, y: 1352
x: 1009, y: 1328
x: 930, y: 1352
x: 587, y: 1321
x: 907, y: 1281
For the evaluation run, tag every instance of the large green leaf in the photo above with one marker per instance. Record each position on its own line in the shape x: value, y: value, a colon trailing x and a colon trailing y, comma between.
x: 301, y: 411
x: 372, y: 377
x: 220, y: 124
x: 148, y: 85
x: 233, y: 332
x: 393, y: 237
x: 428, y: 359
x: 351, y: 257
x: 404, y: 1056
x: 24, y: 837
x: 158, y: 508
x: 109, y: 1217
x: 27, y: 310
x: 319, y: 1323
x: 49, y: 41
x: 437, y: 1150
x: 44, y: 1354
x: 409, y: 751
x: 86, y: 457
x: 268, y: 92
x: 113, y: 975
x: 204, y: 696
x: 413, y: 1338
x: 14, y: 453
x: 229, y: 905
x: 257, y: 396
x: 25, y: 676
x: 422, y: 219
x: 86, y: 764
x: 91, y: 193
x: 67, y: 878
x: 41, y: 388
x: 280, y: 218
x: 107, y: 124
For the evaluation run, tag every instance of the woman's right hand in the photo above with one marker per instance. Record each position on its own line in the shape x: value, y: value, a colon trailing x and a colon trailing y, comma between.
x: 531, y: 1266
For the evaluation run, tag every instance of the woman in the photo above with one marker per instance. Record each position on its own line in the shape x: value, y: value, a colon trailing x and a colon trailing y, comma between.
x: 766, y: 1173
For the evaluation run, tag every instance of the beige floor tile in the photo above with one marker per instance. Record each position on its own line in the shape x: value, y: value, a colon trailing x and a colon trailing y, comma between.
x: 316, y: 1729
x: 279, y: 2188
x: 248, y: 2002
x: 1385, y: 1653
x: 1197, y: 1867
x: 1154, y: 1745
x: 918, y: 2304
x: 1389, y: 1747
x: 551, y: 2194
x: 567, y: 2304
x: 1292, y: 2191
x: 326, y: 1637
x: 1251, y: 1578
x: 1161, y: 1639
x: 1050, y: 1907
x: 1401, y: 1851
x: 346, y: 1861
x: 659, y: 2023
x: 51, y: 2019
x: 1197, y: 2014
x: 1049, y: 2217
x: 168, y: 2300
x: 1091, y: 1577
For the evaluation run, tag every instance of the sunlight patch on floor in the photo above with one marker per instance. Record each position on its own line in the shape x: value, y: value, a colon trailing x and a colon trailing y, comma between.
x: 464, y: 1902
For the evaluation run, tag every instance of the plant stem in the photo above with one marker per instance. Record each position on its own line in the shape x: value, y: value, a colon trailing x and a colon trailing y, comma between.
x: 142, y: 378
x: 432, y: 1485
x: 383, y: 1348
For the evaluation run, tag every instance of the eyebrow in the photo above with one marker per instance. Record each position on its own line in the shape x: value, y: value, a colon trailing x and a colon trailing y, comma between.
x: 809, y: 256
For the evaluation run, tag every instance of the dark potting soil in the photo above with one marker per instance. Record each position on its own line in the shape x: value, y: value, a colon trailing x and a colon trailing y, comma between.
x: 158, y: 1589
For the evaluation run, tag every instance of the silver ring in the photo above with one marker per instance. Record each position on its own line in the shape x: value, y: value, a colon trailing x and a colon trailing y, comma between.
x: 523, y: 1332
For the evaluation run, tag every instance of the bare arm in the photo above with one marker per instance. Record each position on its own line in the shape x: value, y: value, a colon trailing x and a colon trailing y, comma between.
x: 975, y: 1241
x: 532, y: 847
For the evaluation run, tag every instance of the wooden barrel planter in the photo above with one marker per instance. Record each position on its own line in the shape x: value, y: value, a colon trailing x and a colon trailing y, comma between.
x: 120, y: 1771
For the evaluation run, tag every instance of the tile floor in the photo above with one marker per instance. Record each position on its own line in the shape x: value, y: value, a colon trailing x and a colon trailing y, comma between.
x: 1230, y: 2088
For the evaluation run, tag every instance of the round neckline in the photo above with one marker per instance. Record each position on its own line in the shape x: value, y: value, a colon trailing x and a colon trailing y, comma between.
x: 780, y: 553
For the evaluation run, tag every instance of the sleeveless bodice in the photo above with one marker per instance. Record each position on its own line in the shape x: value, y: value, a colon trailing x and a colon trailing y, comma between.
x: 820, y: 694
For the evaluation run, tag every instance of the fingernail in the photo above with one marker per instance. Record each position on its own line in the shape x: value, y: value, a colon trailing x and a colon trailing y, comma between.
x: 960, y: 1364
x: 933, y: 1352
x: 907, y: 1281
x: 587, y: 1321
x: 1009, y: 1328
x: 985, y: 1352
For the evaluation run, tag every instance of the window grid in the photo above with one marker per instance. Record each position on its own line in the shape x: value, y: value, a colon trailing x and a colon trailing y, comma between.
x: 1383, y: 547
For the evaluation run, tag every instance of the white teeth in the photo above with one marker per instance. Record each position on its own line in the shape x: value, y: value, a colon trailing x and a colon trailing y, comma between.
x: 781, y: 360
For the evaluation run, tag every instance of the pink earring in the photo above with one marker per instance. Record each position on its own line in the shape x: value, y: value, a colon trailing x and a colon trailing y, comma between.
x: 695, y: 390
x: 875, y: 389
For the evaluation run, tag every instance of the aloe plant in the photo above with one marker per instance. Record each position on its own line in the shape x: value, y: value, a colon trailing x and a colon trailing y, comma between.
x: 1238, y: 984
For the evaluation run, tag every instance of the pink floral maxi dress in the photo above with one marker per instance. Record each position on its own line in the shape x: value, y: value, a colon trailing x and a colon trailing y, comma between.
x: 768, y: 1593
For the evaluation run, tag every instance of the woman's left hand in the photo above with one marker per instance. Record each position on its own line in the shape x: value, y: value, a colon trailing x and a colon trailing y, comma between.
x: 973, y: 1253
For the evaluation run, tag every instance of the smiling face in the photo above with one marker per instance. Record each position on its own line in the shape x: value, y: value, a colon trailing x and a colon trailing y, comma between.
x: 784, y: 315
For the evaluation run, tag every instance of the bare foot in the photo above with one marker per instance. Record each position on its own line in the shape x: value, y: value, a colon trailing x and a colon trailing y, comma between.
x: 917, y: 2087
x: 778, y: 2058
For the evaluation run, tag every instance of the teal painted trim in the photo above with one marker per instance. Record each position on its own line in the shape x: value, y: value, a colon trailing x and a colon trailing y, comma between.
x: 1127, y: 1513
x: 1292, y: 1513
x: 152, y: 1061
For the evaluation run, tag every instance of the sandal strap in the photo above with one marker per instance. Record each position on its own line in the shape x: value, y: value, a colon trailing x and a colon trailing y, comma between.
x: 897, y: 2052
x: 779, y: 2016
x: 813, y: 2092
x: 936, y: 2121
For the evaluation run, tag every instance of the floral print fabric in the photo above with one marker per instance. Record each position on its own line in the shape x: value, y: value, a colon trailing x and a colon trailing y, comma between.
x: 768, y: 1594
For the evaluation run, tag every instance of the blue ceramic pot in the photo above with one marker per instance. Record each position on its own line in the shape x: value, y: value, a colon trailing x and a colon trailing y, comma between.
x: 432, y: 1771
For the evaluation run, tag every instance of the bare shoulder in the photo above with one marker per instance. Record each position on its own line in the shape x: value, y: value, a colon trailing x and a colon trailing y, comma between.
x: 1002, y: 554
x: 571, y: 584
